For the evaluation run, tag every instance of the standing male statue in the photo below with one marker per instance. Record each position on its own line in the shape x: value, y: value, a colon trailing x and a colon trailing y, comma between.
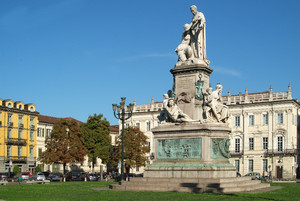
x: 194, y: 39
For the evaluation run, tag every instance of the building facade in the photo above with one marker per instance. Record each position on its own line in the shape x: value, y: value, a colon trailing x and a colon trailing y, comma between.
x: 44, y: 129
x: 18, y: 123
x: 265, y: 131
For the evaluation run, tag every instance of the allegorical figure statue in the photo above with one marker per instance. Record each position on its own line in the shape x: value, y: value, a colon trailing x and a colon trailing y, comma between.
x: 193, y: 44
x: 174, y: 112
x: 215, y: 110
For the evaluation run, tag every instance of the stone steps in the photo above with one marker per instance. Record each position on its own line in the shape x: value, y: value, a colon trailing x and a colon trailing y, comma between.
x: 224, y: 185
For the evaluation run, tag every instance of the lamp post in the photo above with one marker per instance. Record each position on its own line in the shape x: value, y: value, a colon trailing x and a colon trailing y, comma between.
x: 121, y: 116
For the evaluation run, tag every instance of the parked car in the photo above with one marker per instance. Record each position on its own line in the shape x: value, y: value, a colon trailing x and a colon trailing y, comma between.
x: 253, y: 175
x: 57, y: 176
x: 75, y: 176
x: 25, y: 175
x: 37, y: 177
x: 92, y: 177
x: 6, y: 175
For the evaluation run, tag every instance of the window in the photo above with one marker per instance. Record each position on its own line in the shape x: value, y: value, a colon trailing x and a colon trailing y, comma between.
x: 148, y: 126
x: 20, y: 133
x: 237, y: 145
x: 127, y: 125
x: 250, y: 168
x: 31, y: 109
x: 31, y: 151
x: 251, y: 143
x: 8, y: 151
x: 9, y: 118
x: 280, y: 118
x: 20, y: 107
x: 9, y: 133
x: 251, y: 120
x: 48, y: 131
x: 265, y: 143
x: 279, y: 143
x: 20, y: 120
x: 148, y: 144
x: 39, y: 132
x: 9, y: 105
x: 237, y: 165
x: 43, y: 132
x: 237, y: 121
x: 265, y: 165
x: 40, y: 152
x: 19, y: 151
x: 31, y: 136
x: 265, y: 119
x: 137, y: 124
x: 31, y: 121
x: 137, y: 169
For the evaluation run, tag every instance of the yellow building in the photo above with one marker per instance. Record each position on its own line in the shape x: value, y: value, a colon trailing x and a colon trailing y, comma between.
x: 18, y: 125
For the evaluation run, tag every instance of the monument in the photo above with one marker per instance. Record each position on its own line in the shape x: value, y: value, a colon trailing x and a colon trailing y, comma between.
x: 192, y: 141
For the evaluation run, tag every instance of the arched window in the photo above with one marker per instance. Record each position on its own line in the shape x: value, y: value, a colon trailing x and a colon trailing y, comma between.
x: 9, y: 105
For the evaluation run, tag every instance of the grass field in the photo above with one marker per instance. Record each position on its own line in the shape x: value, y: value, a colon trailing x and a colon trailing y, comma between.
x: 86, y: 191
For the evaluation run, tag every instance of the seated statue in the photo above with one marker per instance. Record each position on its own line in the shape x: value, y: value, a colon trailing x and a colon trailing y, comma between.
x: 215, y: 110
x: 175, y: 114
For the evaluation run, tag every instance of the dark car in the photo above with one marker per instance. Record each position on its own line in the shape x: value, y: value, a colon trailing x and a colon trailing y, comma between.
x: 6, y: 175
x: 92, y: 177
x: 75, y: 176
x: 57, y: 176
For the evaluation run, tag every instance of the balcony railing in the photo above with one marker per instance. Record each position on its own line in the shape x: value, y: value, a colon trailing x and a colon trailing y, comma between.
x: 16, y: 141
x: 16, y: 159
x: 283, y: 152
x: 236, y: 154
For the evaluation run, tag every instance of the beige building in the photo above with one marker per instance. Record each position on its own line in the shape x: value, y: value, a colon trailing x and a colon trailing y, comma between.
x: 44, y: 128
x: 264, y: 137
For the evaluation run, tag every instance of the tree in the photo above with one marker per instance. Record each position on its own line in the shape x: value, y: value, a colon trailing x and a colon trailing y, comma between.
x: 96, y: 138
x: 65, y: 145
x: 16, y: 170
x: 38, y: 169
x: 135, y: 148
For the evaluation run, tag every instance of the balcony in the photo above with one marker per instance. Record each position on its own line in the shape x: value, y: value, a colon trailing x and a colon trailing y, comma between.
x: 16, y: 141
x: 10, y: 124
x: 275, y: 152
x: 16, y: 159
x: 236, y: 154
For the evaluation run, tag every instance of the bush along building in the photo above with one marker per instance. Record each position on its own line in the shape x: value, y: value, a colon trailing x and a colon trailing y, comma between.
x: 18, y: 122
x: 264, y: 136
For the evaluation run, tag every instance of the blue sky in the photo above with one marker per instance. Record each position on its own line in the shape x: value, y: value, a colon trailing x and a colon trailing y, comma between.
x: 77, y: 57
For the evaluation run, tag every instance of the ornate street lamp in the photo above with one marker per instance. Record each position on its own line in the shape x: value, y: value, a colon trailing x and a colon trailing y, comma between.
x: 121, y: 115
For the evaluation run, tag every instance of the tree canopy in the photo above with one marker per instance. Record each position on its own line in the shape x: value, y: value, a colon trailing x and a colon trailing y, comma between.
x: 96, y: 138
x: 135, y: 147
x: 65, y: 145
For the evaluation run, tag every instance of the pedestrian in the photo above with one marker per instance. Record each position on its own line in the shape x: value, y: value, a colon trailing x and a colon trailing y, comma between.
x: 20, y: 179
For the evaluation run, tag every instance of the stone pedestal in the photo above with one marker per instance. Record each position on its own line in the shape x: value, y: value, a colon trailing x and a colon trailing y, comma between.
x: 186, y: 79
x: 191, y: 150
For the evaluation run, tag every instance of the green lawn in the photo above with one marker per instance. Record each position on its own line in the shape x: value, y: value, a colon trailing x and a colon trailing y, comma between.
x: 85, y: 191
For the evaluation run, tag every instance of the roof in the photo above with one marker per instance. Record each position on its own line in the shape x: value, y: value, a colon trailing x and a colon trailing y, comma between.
x: 114, y: 128
x: 52, y: 120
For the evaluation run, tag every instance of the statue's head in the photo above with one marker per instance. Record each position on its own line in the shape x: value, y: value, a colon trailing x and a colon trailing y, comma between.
x: 171, y: 102
x: 194, y: 9
x: 166, y: 96
x: 209, y: 90
x: 219, y: 86
x: 186, y: 27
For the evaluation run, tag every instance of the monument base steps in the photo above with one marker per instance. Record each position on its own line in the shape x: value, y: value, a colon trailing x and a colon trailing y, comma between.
x: 221, y: 185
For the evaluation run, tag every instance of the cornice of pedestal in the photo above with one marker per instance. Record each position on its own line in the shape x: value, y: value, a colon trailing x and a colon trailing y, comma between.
x: 191, y: 68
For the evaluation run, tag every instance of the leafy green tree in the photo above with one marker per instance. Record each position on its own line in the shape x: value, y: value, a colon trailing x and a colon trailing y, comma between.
x: 16, y: 169
x: 96, y: 138
x: 65, y: 145
x: 38, y: 169
x: 135, y: 148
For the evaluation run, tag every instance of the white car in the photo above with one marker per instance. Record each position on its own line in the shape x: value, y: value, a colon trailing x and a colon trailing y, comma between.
x: 38, y: 177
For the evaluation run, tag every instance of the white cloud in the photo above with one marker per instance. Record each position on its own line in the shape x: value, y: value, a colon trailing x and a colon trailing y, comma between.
x: 227, y: 71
